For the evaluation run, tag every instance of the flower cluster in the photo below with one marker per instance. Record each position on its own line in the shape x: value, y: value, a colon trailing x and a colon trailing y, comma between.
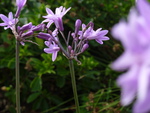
x: 20, y: 33
x: 135, y: 37
x: 80, y: 37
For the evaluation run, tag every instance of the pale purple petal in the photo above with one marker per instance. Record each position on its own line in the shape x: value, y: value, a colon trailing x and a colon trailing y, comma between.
x: 144, y: 9
x: 49, y: 11
x: 58, y: 10
x: 142, y: 106
x: 4, y: 18
x: 47, y: 50
x: 3, y: 24
x: 143, y: 82
x: 10, y: 16
x: 124, y: 61
x: 54, y: 56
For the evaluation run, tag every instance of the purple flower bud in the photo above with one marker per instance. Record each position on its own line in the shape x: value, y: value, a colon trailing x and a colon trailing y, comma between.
x: 77, y: 25
x: 85, y: 46
x: 44, y: 36
x: 26, y: 27
x: 72, y: 52
x: 20, y: 4
x: 69, y: 48
x: 29, y: 33
x: 38, y: 27
x: 18, y: 28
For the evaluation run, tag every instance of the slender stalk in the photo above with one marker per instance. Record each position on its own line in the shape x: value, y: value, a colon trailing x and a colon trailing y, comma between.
x: 71, y: 65
x: 17, y: 79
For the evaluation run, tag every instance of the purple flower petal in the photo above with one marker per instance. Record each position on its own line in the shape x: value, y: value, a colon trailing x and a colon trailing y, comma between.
x: 20, y: 4
x: 142, y: 106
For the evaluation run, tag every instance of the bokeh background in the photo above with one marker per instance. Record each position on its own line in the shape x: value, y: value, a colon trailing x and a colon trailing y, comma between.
x: 46, y: 85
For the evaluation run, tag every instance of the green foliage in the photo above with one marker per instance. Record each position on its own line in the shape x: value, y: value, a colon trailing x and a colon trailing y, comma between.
x: 33, y: 96
x: 46, y: 85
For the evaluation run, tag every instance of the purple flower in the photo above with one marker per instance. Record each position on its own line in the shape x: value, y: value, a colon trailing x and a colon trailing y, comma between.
x: 135, y: 37
x: 20, y: 4
x: 8, y: 22
x: 53, y: 49
x: 90, y: 34
x: 56, y: 18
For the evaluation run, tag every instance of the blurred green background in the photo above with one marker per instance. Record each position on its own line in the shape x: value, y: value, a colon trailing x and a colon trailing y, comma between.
x: 46, y: 85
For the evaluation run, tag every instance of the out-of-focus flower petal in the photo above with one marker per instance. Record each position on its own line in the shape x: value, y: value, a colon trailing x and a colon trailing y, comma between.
x: 142, y: 106
x: 143, y: 82
x: 124, y: 62
x: 144, y: 9
x: 20, y: 4
x: 128, y: 83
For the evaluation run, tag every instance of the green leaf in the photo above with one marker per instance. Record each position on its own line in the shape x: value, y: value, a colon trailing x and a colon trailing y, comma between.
x: 33, y: 96
x: 36, y: 84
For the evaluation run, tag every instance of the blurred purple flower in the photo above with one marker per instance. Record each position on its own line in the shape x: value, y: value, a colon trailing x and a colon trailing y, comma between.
x: 20, y: 4
x: 53, y: 49
x: 56, y: 18
x: 135, y: 37
x: 8, y: 22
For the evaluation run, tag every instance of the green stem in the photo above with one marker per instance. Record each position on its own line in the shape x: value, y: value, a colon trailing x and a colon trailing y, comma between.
x: 74, y: 85
x: 17, y: 79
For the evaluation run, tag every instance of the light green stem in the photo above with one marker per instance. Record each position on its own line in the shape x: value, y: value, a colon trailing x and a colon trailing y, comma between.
x: 71, y: 65
x: 17, y: 79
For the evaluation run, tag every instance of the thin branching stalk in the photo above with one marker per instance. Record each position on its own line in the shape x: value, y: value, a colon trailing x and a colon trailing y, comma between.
x: 71, y: 66
x: 17, y: 79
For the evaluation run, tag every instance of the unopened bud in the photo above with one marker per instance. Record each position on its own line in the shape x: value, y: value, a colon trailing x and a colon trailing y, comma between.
x: 85, y: 46
x: 39, y: 27
x: 69, y: 48
x: 29, y: 33
x: 72, y: 52
x: 26, y: 27
x: 44, y: 36
x: 77, y: 25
